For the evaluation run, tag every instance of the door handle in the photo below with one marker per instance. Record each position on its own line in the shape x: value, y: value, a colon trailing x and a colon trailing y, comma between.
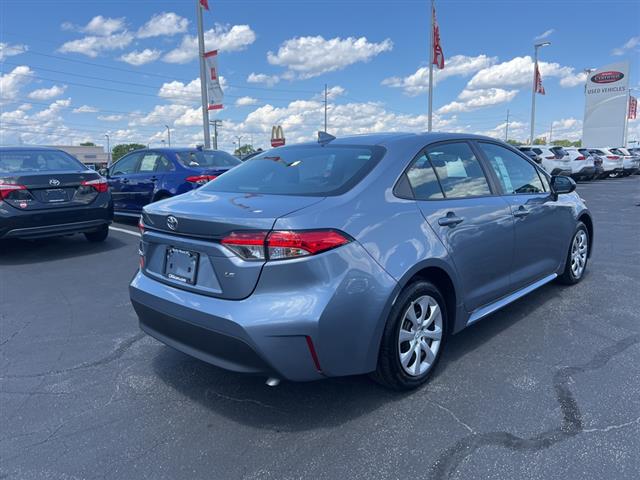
x: 154, y: 179
x: 451, y: 220
x: 521, y: 212
x: 124, y: 180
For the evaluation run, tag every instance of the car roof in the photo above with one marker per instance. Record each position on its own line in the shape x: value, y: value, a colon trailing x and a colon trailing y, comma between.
x: 25, y: 148
x: 386, y: 138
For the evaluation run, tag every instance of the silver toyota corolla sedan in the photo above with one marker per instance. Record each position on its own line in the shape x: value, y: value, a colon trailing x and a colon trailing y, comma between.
x: 354, y: 255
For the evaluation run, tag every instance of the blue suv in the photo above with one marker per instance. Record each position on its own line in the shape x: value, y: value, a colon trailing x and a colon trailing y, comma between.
x: 148, y: 175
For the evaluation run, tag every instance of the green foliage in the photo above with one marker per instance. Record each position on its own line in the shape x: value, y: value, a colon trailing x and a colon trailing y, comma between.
x: 515, y: 143
x: 540, y: 141
x: 87, y: 144
x: 567, y: 143
x: 124, y: 148
x: 244, y: 150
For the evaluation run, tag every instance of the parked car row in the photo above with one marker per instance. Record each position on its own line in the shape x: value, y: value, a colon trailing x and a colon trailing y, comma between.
x: 582, y: 163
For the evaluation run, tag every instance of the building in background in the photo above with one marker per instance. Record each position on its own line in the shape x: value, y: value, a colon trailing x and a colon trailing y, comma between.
x: 95, y: 157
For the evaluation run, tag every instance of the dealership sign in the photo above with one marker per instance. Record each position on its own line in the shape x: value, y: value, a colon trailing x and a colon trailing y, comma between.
x: 277, y: 136
x: 606, y: 100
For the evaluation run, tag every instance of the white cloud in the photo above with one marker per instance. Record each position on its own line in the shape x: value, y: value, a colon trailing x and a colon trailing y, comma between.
x: 245, y: 101
x: 141, y: 57
x: 518, y: 73
x: 47, y: 93
x: 177, y: 91
x: 103, y: 26
x: 165, y: 23
x: 7, y: 50
x: 573, y: 80
x: 473, y: 99
x: 545, y: 34
x: 110, y: 118
x: 269, y: 80
x: 85, y: 109
x: 221, y: 37
x: 309, y: 57
x: 12, y: 82
x: 630, y: 44
x: 457, y: 65
x: 92, y: 46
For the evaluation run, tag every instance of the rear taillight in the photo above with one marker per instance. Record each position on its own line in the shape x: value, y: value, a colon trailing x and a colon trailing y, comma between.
x: 613, y: 157
x: 141, y: 225
x: 201, y: 179
x: 7, y: 189
x: 99, y: 184
x: 283, y: 244
x: 581, y: 157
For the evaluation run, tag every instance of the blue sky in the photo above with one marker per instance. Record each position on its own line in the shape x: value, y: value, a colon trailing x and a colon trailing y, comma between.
x: 276, y: 57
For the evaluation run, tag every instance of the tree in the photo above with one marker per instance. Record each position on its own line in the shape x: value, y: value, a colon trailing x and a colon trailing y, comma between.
x: 124, y: 148
x: 540, y: 141
x: 515, y: 143
x: 244, y: 150
x: 562, y: 143
x: 87, y: 144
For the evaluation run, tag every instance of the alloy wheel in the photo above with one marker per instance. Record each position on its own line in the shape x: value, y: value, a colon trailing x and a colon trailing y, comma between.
x: 579, y: 250
x: 420, y: 335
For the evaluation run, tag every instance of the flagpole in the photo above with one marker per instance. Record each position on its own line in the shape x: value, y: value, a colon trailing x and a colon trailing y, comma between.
x: 203, y: 78
x: 429, y: 122
x: 535, y: 88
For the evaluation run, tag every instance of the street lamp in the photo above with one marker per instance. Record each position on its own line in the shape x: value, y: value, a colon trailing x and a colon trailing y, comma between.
x: 108, y: 150
x: 168, y: 135
x: 533, y: 91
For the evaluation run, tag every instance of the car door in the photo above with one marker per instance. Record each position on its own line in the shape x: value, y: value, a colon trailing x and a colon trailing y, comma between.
x: 149, y: 174
x: 120, y: 174
x: 475, y: 224
x: 540, y: 220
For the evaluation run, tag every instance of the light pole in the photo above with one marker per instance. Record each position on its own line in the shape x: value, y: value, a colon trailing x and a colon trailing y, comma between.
x: 535, y: 87
x: 168, y: 135
x: 108, y: 150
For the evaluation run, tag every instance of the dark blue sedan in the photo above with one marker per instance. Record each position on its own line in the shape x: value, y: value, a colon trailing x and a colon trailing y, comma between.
x: 148, y: 175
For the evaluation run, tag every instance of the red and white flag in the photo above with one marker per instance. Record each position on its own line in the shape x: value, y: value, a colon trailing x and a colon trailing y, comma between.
x: 214, y: 90
x: 633, y: 107
x: 205, y: 4
x: 438, y: 55
x: 538, y: 81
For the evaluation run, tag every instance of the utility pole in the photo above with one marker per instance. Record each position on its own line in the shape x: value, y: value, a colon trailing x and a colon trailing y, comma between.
x: 203, y: 78
x: 429, y: 121
x: 108, y: 150
x: 325, y: 107
x: 239, y: 137
x: 216, y: 123
x: 550, y: 133
x: 535, y: 88
x: 168, y: 135
x: 506, y: 130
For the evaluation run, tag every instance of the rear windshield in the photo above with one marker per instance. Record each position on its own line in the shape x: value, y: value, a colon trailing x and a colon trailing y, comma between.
x: 559, y: 151
x: 14, y: 161
x: 207, y: 159
x: 301, y: 170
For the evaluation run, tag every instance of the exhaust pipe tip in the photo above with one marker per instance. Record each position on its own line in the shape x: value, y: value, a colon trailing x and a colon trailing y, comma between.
x: 273, y: 382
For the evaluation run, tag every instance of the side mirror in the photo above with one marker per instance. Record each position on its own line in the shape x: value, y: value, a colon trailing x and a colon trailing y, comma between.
x: 104, y: 172
x: 561, y: 184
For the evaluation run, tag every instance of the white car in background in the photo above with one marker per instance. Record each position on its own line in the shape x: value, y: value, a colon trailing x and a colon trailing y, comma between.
x: 612, y: 164
x: 630, y: 162
x: 554, y: 158
x: 581, y: 162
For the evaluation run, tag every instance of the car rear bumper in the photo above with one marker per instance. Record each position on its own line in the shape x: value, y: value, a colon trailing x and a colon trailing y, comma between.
x: 16, y: 223
x: 561, y: 171
x: 585, y: 172
x: 333, y: 308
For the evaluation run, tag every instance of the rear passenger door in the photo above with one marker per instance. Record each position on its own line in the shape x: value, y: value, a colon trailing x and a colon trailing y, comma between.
x: 540, y: 219
x: 475, y: 224
x: 149, y: 174
x: 120, y: 174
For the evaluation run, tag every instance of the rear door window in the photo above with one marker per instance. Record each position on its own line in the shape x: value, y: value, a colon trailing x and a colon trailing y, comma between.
x: 423, y: 180
x: 458, y: 170
x: 148, y: 163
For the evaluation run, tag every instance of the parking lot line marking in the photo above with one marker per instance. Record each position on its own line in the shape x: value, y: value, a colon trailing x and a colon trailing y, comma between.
x: 136, y: 234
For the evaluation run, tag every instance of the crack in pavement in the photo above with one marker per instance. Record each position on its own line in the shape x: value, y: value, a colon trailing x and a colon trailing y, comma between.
x: 118, y: 352
x: 449, y: 460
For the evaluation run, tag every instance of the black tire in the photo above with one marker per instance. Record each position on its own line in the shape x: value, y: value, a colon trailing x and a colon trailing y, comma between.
x: 568, y: 276
x: 98, y: 236
x: 389, y: 371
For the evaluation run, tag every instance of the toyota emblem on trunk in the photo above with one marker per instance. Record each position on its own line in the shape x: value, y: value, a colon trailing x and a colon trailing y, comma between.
x: 54, y: 182
x: 172, y: 222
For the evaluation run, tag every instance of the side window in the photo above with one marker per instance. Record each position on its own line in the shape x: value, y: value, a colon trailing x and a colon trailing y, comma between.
x: 148, y: 163
x: 423, y: 179
x: 458, y: 170
x: 125, y: 165
x: 516, y: 175
x: 163, y: 164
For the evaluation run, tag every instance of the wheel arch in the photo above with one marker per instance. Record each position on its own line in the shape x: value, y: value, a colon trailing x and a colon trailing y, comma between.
x: 585, y: 218
x: 161, y: 195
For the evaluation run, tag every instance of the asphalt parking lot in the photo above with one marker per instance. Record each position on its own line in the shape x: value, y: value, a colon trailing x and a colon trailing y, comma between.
x: 547, y: 388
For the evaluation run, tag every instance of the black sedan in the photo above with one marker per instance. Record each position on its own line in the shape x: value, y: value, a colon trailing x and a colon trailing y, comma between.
x: 46, y: 192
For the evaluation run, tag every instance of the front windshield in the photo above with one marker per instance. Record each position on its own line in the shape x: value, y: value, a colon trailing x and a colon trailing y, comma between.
x: 300, y: 170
